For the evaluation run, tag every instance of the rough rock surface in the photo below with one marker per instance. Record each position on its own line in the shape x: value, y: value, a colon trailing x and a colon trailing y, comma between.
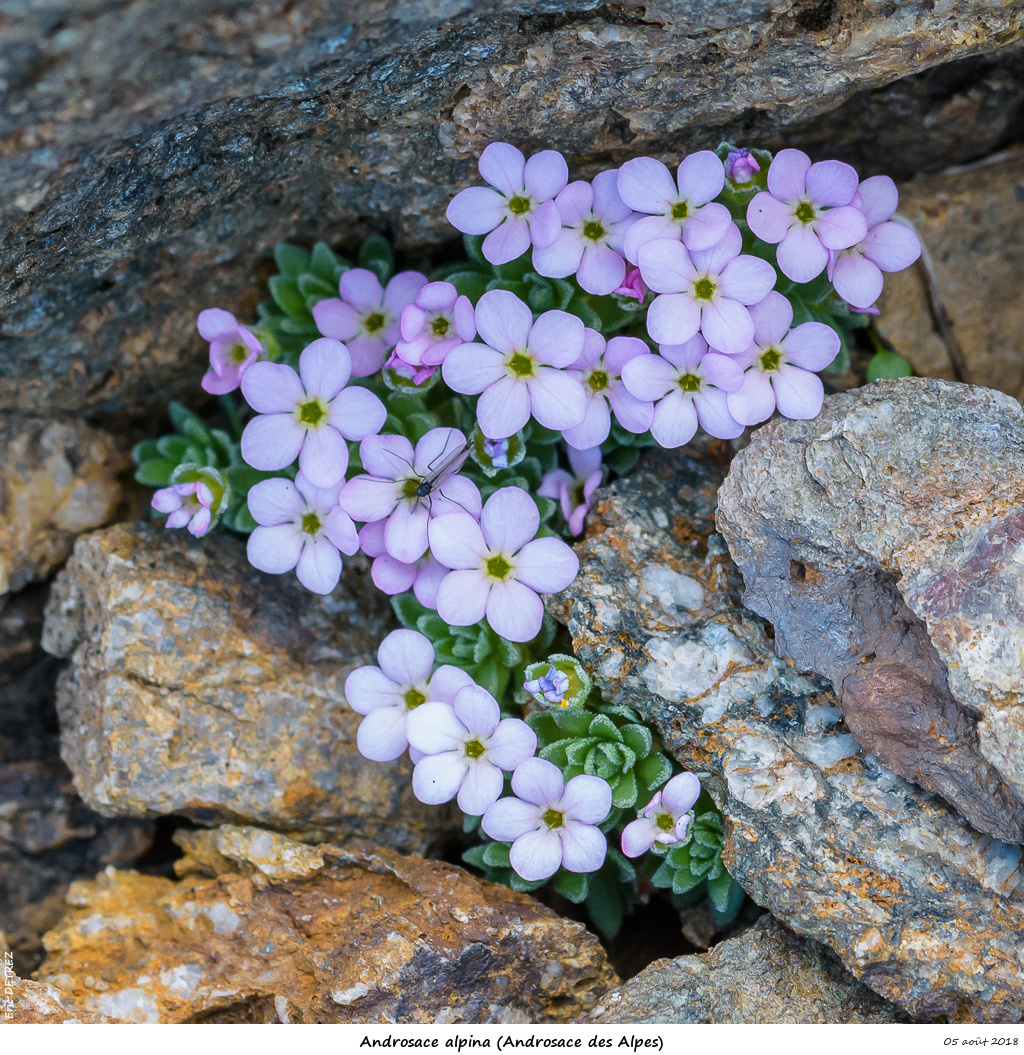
x: 295, y: 933
x: 28, y: 676
x: 767, y: 974
x: 960, y: 318
x: 199, y: 686
x: 48, y: 838
x: 153, y: 152
x: 884, y: 540
x: 921, y: 907
x: 56, y: 481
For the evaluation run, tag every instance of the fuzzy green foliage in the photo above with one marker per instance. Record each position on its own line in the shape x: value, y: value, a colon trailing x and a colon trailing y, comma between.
x: 494, y: 663
x: 886, y: 364
x: 611, y: 743
x: 198, y: 451
x: 694, y: 869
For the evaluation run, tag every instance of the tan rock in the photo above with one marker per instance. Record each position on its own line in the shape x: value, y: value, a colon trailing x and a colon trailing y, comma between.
x: 56, y: 481
x: 767, y: 974
x: 359, y: 938
x: 959, y: 313
x: 200, y: 686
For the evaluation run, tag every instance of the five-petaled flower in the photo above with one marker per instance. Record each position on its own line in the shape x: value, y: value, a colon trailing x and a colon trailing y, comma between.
x: 407, y: 487
x: 301, y: 526
x: 595, y: 221
x: 780, y: 365
x: 499, y: 568
x: 366, y: 316
x: 689, y: 383
x: 574, y: 490
x: 681, y: 208
x: 435, y: 323
x: 551, y: 823
x: 806, y: 210
x: 233, y: 349
x: 665, y: 819
x: 186, y: 505
x: 517, y: 209
x: 517, y: 370
x: 308, y: 415
x: 466, y: 747
x: 706, y: 290
x: 387, y: 694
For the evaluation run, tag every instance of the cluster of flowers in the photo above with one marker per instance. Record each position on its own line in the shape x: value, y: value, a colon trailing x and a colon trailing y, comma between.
x: 462, y: 748
x: 728, y: 285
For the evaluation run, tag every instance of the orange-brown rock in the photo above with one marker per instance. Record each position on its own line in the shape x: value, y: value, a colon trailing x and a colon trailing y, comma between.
x: 264, y: 929
x: 957, y: 313
x: 57, y: 479
x: 200, y: 686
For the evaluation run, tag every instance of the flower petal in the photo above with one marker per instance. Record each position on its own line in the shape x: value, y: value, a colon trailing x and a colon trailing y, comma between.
x: 503, y: 408
x: 503, y: 166
x: 879, y: 199
x: 509, y: 818
x: 601, y: 270
x: 707, y: 227
x: 648, y: 377
x: 646, y: 185
x: 831, y: 183
x: 675, y: 420
x: 673, y: 318
x: 391, y: 576
x: 587, y: 799
x: 545, y: 174
x: 368, y: 498
x: 536, y: 855
x: 368, y: 689
x: 681, y: 793
x: 787, y: 174
x: 634, y: 415
x: 406, y: 533
x: 514, y: 611
x: 746, y: 279
x: 700, y: 177
x: 507, y: 242
x: 583, y: 848
x: 334, y: 318
x: 216, y: 324
x: 476, y: 210
x: 546, y: 565
x: 478, y: 711
x: 665, y: 265
x: 545, y: 224
x: 556, y: 338
x: 457, y: 541
x: 325, y: 367
x: 323, y: 459
x: 713, y: 414
x: 271, y: 502
x: 319, y: 567
x: 648, y: 229
x: 811, y: 346
x: 772, y: 317
x: 361, y: 288
x: 799, y: 394
x: 639, y: 836
x: 512, y: 743
x: 857, y: 279
x: 272, y: 388
x: 509, y: 520
x: 271, y: 441
x: 892, y: 246
x: 557, y: 400
x: 755, y: 401
x: 462, y: 596
x: 406, y: 657
x: 446, y: 682
x: 274, y: 549
x: 481, y: 787
x: 437, y: 778
x: 769, y: 218
x: 381, y: 735
x: 801, y: 255
x: 356, y: 413
x: 593, y: 430
x: 470, y: 368
x: 562, y: 257
x: 538, y: 781
x: 503, y: 321
x: 433, y: 728
x: 727, y: 326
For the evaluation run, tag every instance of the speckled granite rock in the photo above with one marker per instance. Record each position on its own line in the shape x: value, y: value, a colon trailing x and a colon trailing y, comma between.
x: 327, y: 936
x: 972, y: 226
x: 200, y: 686
x: 884, y: 540
x: 48, y: 838
x: 56, y: 481
x: 152, y: 152
x: 918, y: 905
x: 767, y: 974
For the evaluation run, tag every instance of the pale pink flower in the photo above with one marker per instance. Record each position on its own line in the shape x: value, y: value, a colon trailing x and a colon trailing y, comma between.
x: 233, y: 349
x: 186, y: 505
x: 665, y: 819
x: 574, y: 490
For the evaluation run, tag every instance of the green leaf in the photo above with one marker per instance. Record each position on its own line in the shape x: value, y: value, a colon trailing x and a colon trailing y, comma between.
x: 472, y: 284
x: 475, y: 856
x: 885, y: 364
x: 726, y: 896
x: 145, y: 451
x: 684, y: 880
x: 572, y: 885
x: 327, y: 265
x: 638, y: 739
x: 603, y: 727
x: 496, y: 855
x: 624, y: 791
x: 408, y: 609
x: 573, y: 720
x: 291, y: 260
x: 472, y: 244
x: 653, y: 771
x: 286, y: 293
x: 188, y: 424
x: 377, y: 256
x: 156, y: 472
x: 604, y: 903
x: 172, y: 447
x: 314, y: 288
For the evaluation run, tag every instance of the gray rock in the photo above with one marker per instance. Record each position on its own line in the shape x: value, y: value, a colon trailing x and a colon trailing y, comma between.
x: 57, y: 479
x: 884, y: 540
x: 154, y: 151
x: 767, y: 974
x: 917, y: 904
x: 202, y: 687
